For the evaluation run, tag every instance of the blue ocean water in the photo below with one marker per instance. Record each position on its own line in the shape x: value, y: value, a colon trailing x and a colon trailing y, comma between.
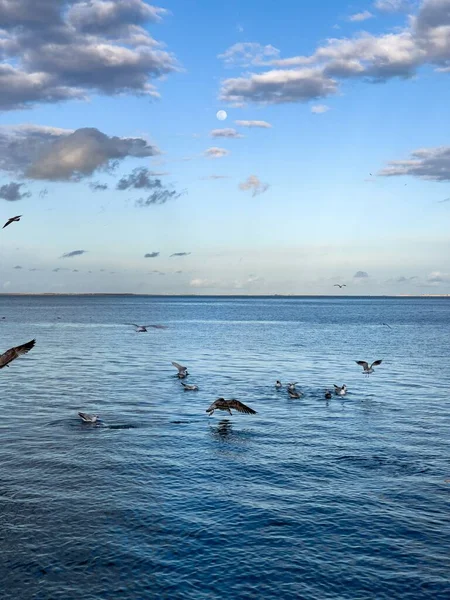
x: 309, y: 498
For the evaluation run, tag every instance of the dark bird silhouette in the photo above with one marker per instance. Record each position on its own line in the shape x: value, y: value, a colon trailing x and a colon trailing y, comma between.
x: 294, y: 394
x: 327, y: 394
x: 15, y: 352
x: 226, y: 405
x: 366, y: 368
x: 387, y: 325
x: 339, y: 285
x: 143, y: 328
x: 11, y: 220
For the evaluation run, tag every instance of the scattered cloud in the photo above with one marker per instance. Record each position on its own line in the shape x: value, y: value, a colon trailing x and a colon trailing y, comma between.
x: 11, y: 192
x: 226, y: 133
x: 52, y: 54
x: 60, y: 269
x: 75, y: 271
x: 203, y: 283
x: 39, y: 152
x: 319, y: 108
x: 96, y: 186
x: 159, y: 196
x: 427, y: 163
x: 73, y: 253
x: 392, y: 6
x: 180, y: 254
x: 403, y: 279
x: 43, y: 193
x: 261, y: 124
x: 244, y: 54
x: 424, y: 40
x: 178, y: 272
x: 18, y: 267
x: 438, y: 277
x: 253, y: 183
x: 361, y: 16
x: 215, y: 152
x: 361, y: 275
x: 156, y: 272
x: 151, y: 255
x: 140, y: 178
x: 216, y: 177
x: 445, y: 200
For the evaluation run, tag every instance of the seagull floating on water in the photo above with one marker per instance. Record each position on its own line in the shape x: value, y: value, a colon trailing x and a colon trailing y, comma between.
x: 294, y: 394
x: 182, y: 371
x: 291, y: 386
x: 226, y: 405
x: 86, y: 418
x: 143, y: 328
x: 339, y: 285
x: 189, y: 388
x: 328, y: 394
x: 340, y: 390
x: 15, y: 352
x: 11, y: 220
x: 366, y: 368
x: 278, y: 384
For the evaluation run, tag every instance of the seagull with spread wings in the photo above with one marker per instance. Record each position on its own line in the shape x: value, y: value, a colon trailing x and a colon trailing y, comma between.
x: 226, y: 405
x: 339, y: 285
x: 182, y: 371
x: 11, y: 220
x: 143, y: 328
x: 367, y: 370
x: 15, y: 352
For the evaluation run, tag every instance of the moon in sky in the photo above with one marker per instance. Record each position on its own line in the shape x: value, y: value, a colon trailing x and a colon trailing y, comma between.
x: 221, y: 115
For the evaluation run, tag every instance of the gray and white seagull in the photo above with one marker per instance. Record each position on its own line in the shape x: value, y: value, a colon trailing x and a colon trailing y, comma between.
x: 182, y: 371
x: 15, y: 352
x: 86, y: 418
x: 368, y: 369
x: 226, y: 405
x: 143, y: 328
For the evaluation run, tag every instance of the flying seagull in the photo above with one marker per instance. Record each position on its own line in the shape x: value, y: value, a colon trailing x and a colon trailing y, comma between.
x: 226, y: 405
x: 14, y: 353
x: 387, y: 325
x: 340, y: 390
x: 189, y: 388
x: 339, y: 285
x: 142, y: 328
x: 182, y: 371
x: 11, y: 220
x: 88, y: 418
x: 366, y: 369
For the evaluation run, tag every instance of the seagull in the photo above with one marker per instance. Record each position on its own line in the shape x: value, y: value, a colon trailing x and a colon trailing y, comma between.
x: 189, y: 388
x: 340, y: 391
x: 340, y: 285
x: 142, y: 328
x: 327, y: 394
x: 222, y: 404
x: 88, y: 418
x: 291, y: 386
x: 366, y: 369
x: 387, y: 325
x: 11, y: 220
x: 14, y: 353
x: 278, y: 384
x: 294, y: 394
x: 182, y: 371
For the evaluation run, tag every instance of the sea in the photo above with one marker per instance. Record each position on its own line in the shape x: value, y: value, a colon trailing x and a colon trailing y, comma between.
x: 314, y: 499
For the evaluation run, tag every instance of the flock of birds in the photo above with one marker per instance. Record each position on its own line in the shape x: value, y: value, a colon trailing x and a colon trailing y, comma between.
x: 219, y: 404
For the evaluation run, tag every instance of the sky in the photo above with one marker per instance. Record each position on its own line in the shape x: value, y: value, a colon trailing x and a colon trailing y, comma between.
x: 332, y: 165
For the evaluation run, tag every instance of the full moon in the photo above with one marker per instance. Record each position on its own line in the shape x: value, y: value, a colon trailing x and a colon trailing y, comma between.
x: 221, y: 115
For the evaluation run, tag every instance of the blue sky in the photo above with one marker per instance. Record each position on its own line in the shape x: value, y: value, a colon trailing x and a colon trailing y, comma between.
x: 328, y: 189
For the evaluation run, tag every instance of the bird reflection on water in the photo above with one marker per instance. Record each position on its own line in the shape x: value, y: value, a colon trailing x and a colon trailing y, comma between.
x: 223, y: 429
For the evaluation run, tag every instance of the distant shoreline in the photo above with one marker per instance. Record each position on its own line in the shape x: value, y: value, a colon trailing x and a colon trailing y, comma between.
x: 100, y: 294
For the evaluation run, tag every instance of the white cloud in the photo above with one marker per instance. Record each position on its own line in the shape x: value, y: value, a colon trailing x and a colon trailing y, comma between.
x: 362, y: 16
x: 391, y: 6
x: 438, y: 277
x: 261, y: 124
x: 255, y: 184
x: 229, y: 133
x: 426, y: 163
x: 319, y: 108
x: 215, y: 152
x: 248, y: 53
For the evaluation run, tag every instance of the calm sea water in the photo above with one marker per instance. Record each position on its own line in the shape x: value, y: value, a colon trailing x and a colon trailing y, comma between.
x: 309, y: 499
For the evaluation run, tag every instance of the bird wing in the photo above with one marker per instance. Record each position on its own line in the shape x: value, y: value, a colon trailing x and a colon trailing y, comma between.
x: 363, y: 364
x: 15, y: 352
x: 240, y: 407
x: 336, y: 285
x: 180, y: 368
x: 156, y: 326
x: 184, y: 384
x: 213, y: 406
x: 84, y: 416
x: 376, y: 363
x: 134, y: 324
x: 8, y: 222
x: 336, y: 387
